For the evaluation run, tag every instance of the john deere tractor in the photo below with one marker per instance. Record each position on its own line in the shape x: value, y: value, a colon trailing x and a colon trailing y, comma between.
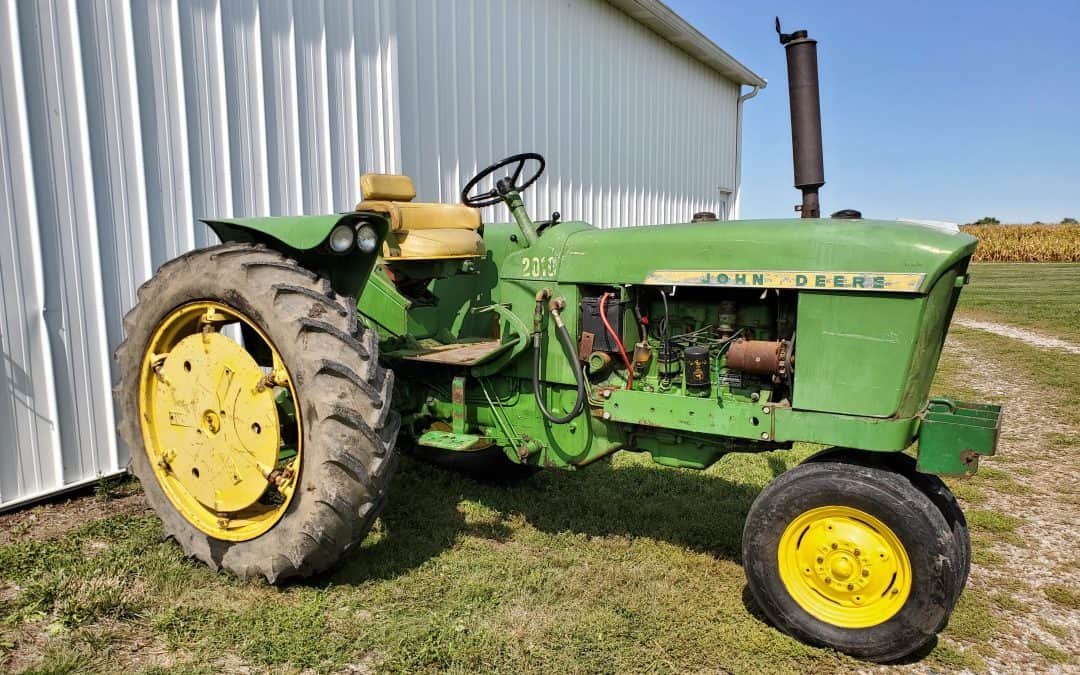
x: 268, y: 382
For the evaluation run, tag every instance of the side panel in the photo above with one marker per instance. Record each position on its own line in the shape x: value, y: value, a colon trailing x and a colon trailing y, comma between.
x: 853, y: 351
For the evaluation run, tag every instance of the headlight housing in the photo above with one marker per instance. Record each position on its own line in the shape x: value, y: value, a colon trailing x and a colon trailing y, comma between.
x: 342, y: 238
x: 367, y: 238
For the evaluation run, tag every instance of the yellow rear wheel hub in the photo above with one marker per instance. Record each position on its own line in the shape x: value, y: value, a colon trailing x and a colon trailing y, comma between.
x: 844, y: 567
x: 211, y: 426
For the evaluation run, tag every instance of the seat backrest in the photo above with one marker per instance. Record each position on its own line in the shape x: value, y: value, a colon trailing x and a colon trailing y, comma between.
x: 385, y: 187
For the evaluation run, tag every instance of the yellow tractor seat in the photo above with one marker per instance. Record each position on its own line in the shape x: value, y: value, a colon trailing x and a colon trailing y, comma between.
x: 418, y: 230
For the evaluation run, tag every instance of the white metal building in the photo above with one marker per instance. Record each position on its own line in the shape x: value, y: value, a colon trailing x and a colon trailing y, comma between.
x: 123, y: 121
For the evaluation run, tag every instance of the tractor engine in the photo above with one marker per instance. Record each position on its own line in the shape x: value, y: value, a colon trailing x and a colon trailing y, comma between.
x: 698, y: 342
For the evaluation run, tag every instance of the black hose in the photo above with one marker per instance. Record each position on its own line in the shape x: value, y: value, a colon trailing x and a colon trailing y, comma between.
x: 579, y: 375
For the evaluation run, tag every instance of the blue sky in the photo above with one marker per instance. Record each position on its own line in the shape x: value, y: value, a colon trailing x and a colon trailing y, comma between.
x: 943, y: 110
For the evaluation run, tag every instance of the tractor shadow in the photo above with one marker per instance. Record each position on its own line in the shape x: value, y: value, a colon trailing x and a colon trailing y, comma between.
x: 426, y: 514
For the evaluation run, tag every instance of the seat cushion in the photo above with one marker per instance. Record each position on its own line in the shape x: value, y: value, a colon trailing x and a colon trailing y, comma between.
x: 387, y: 187
x: 422, y: 216
x: 429, y: 244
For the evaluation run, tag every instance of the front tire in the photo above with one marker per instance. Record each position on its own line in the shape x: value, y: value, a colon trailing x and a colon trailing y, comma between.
x: 851, y: 557
x: 196, y: 410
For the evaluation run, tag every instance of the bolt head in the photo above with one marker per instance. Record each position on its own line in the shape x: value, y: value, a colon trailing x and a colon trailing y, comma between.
x: 765, y: 435
x: 866, y: 573
x: 607, y: 415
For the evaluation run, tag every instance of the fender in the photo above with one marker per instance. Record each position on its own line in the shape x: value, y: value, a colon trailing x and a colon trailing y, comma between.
x: 304, y: 238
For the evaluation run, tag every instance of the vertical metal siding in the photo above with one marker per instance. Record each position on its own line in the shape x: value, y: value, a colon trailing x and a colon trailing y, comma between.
x: 635, y: 132
x: 122, y: 122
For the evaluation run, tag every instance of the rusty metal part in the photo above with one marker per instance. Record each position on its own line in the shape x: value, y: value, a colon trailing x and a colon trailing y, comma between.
x: 585, y: 345
x: 805, y: 104
x: 760, y: 357
x: 599, y: 364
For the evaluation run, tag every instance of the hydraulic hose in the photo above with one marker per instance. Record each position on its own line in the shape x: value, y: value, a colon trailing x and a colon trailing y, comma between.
x: 555, y: 307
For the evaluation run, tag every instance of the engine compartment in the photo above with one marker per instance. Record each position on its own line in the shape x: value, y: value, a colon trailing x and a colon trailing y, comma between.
x: 735, y: 344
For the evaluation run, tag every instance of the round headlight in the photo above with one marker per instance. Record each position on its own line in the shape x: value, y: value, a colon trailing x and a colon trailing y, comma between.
x: 367, y: 238
x: 342, y: 238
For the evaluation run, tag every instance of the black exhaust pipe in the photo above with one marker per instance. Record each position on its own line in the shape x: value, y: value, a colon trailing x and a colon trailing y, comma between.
x: 805, y: 117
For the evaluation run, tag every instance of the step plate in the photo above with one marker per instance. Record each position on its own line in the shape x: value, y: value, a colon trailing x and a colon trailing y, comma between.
x: 462, y: 354
x: 448, y: 440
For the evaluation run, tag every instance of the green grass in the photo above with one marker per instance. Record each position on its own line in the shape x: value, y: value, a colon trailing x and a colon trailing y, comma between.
x: 1042, y: 296
x: 1063, y: 595
x: 1056, y: 373
x: 1051, y: 654
x: 1057, y: 630
x: 601, y: 570
x: 624, y: 566
x: 974, y: 618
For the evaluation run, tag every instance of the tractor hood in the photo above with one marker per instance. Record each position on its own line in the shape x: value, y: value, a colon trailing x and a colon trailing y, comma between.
x: 790, y: 253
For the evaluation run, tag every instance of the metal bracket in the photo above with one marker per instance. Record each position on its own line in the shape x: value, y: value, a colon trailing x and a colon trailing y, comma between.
x: 457, y: 397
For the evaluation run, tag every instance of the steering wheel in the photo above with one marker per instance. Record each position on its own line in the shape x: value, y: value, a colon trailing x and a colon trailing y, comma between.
x: 502, y: 185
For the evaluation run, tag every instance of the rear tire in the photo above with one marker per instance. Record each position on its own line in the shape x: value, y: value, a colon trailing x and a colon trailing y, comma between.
x: 801, y: 568
x: 341, y: 393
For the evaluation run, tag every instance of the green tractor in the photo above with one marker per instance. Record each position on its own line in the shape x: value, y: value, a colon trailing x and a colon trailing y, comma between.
x: 268, y: 382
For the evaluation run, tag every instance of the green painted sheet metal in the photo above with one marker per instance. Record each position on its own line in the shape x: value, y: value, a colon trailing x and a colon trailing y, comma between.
x: 299, y: 232
x: 853, y: 350
x: 953, y: 436
x: 689, y: 413
x: 856, y: 247
x: 848, y: 431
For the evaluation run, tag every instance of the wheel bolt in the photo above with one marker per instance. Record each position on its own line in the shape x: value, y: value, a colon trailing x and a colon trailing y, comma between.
x: 857, y: 552
x: 834, y: 545
x: 820, y: 560
x: 851, y: 587
x: 866, y: 573
x: 828, y: 580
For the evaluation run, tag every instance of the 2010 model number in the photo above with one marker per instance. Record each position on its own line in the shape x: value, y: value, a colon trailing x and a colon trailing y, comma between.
x: 543, y: 266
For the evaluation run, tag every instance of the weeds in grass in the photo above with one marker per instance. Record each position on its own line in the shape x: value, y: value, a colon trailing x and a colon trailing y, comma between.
x: 992, y: 521
x: 1063, y: 595
x: 966, y: 491
x: 973, y: 618
x: 1007, y: 602
x: 1050, y: 653
x: 1057, y: 630
x: 951, y: 656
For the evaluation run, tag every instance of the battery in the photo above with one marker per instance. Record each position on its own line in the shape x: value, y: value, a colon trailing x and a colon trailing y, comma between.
x: 591, y: 323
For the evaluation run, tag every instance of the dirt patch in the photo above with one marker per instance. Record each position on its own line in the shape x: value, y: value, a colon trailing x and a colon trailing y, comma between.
x: 1030, y: 337
x: 54, y: 519
x: 1045, y: 550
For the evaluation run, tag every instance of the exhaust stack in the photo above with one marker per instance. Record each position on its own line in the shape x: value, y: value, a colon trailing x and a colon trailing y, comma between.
x: 805, y: 117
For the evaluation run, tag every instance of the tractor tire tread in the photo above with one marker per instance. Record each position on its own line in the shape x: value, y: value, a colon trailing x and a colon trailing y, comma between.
x: 348, y: 449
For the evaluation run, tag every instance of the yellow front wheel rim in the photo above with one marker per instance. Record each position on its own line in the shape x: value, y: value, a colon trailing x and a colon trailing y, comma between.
x: 217, y: 443
x: 844, y: 567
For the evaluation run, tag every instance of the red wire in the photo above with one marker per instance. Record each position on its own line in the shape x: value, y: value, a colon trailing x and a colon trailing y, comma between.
x: 622, y: 350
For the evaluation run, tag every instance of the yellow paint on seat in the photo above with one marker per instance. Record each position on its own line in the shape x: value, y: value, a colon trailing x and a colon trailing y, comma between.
x: 421, y: 230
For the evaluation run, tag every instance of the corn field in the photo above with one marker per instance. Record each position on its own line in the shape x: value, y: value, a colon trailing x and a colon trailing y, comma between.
x: 1026, y: 243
